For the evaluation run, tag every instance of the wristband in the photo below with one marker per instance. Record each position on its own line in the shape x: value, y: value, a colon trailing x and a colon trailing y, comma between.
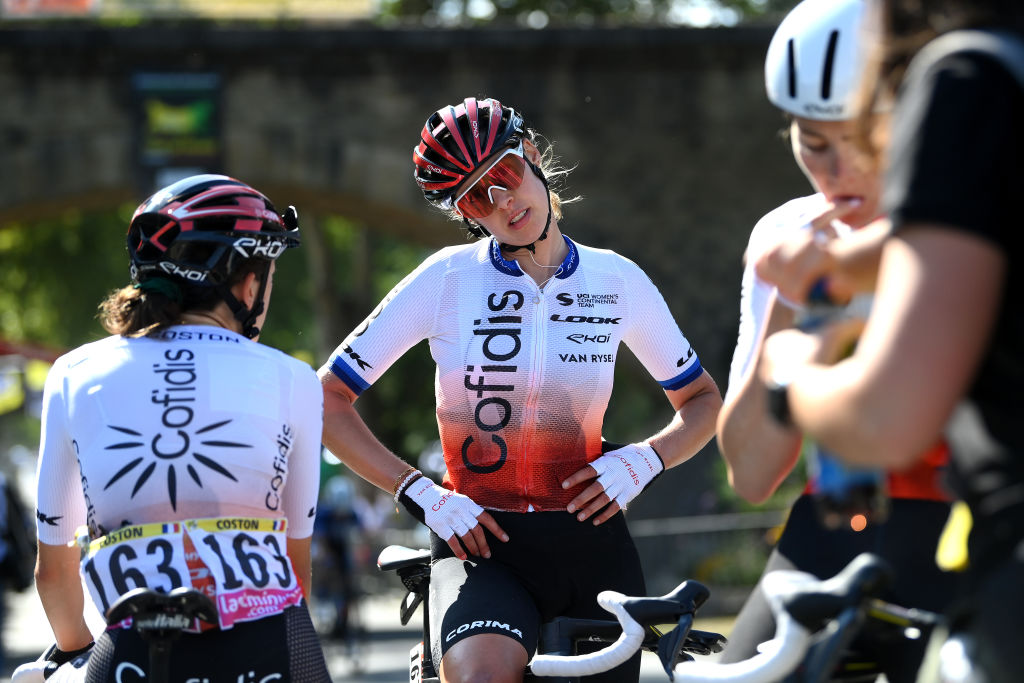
x: 403, y: 480
x: 778, y: 403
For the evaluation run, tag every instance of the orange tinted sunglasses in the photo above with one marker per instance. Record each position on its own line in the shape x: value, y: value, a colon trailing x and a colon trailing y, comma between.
x: 505, y: 173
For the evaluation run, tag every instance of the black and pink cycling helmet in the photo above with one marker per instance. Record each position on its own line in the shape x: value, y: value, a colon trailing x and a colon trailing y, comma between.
x: 456, y: 139
x: 199, y: 229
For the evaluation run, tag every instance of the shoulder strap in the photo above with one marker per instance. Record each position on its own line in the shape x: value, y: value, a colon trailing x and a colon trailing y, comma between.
x: 1004, y: 46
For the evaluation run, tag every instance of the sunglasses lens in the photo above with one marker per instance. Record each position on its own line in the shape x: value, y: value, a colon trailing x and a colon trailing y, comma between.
x: 507, y: 173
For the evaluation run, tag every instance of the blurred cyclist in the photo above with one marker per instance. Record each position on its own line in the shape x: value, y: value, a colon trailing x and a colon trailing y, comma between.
x: 813, y: 71
x: 941, y: 349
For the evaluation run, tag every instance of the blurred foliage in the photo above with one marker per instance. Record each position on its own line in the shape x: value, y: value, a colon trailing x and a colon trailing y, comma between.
x: 55, y: 273
x: 542, y: 13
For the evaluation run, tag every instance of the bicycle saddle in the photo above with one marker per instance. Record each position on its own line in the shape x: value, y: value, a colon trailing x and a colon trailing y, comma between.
x: 155, y: 611
x: 395, y: 557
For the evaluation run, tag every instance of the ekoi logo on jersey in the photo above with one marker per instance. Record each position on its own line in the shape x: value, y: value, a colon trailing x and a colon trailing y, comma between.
x: 501, y: 343
x: 176, y: 437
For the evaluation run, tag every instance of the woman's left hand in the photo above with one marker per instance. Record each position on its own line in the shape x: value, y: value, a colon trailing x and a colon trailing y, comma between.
x: 617, y: 478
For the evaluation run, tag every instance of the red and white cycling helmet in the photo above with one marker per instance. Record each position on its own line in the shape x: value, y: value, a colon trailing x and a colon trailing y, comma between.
x: 456, y: 139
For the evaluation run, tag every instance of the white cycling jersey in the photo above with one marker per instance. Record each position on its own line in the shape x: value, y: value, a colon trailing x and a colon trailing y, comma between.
x: 524, y: 374
x: 193, y: 422
x: 755, y: 294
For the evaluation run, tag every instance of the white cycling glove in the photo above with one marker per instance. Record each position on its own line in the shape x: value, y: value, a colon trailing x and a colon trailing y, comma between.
x: 446, y: 513
x: 627, y: 471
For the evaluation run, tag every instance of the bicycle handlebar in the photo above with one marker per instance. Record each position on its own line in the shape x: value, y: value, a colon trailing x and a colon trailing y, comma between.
x: 633, y: 615
x: 607, y: 658
x: 801, y: 605
x: 776, y: 658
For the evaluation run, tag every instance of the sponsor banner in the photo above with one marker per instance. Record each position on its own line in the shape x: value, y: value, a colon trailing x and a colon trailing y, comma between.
x: 27, y: 9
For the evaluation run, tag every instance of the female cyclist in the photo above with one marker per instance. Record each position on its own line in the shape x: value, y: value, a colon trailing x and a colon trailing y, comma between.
x: 524, y: 325
x: 941, y: 349
x: 812, y: 72
x: 179, y: 451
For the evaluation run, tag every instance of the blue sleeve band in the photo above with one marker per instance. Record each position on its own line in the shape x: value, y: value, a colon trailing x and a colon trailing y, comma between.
x: 680, y: 381
x: 354, y: 382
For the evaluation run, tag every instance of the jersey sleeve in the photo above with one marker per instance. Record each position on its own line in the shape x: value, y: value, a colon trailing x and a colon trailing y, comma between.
x: 755, y: 294
x: 654, y: 336
x: 300, y: 494
x: 60, y: 503
x: 403, y: 318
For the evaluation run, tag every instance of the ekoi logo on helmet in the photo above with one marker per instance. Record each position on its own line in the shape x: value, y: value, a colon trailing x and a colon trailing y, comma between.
x: 189, y: 274
x: 250, y: 247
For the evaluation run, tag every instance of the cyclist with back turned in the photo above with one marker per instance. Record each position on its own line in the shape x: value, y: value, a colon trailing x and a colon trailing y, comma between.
x: 187, y: 451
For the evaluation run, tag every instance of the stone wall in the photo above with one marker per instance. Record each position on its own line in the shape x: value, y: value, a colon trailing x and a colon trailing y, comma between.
x: 676, y: 149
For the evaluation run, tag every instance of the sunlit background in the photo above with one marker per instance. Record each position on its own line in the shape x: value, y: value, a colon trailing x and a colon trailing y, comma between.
x: 657, y: 104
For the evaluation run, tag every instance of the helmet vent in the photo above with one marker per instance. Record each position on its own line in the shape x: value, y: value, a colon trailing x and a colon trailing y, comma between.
x: 826, y: 71
x: 790, y: 50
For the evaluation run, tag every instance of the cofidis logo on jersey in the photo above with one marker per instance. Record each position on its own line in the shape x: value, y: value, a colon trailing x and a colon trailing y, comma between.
x: 176, y: 442
x: 501, y: 344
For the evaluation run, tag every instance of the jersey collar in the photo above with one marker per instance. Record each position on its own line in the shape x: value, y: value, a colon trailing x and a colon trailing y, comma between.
x: 568, y: 267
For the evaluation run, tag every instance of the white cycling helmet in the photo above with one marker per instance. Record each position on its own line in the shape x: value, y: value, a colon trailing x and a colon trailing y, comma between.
x: 816, y: 59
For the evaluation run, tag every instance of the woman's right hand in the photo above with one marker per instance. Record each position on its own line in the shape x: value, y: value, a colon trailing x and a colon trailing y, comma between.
x: 452, y: 516
x: 796, y: 264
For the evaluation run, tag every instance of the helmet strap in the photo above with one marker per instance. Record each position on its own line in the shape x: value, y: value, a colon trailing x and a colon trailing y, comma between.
x: 532, y: 246
x: 475, y: 229
x: 247, y: 316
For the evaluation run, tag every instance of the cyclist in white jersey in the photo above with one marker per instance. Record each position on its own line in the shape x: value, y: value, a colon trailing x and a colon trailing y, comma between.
x: 813, y: 70
x: 524, y: 325
x: 181, y: 452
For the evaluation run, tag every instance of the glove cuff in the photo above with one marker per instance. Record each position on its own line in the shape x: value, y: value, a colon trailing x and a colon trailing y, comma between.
x: 647, y: 461
x: 59, y: 656
x: 409, y: 494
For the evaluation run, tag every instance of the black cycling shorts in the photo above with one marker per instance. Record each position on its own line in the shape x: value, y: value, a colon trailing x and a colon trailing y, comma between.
x: 553, y: 565
x: 907, y: 540
x: 275, y: 649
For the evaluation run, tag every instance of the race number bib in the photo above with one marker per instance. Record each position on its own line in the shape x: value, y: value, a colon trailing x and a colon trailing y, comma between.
x: 249, y: 563
x: 252, y: 575
x: 140, y: 556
